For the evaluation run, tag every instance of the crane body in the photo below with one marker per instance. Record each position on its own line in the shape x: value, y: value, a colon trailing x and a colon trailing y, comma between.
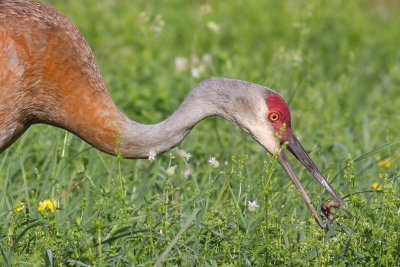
x: 48, y: 74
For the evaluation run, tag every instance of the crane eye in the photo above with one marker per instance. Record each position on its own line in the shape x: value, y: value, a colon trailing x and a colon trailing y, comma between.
x: 273, y: 116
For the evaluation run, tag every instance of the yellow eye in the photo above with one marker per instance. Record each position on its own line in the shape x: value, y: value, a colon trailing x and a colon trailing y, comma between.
x: 273, y: 116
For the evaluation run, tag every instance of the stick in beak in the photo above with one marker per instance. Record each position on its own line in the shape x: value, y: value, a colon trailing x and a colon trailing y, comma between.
x: 284, y: 161
x: 298, y: 151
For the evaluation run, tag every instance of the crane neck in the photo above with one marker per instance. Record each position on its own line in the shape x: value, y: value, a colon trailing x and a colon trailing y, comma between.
x: 109, y: 130
x: 139, y: 140
x: 92, y: 115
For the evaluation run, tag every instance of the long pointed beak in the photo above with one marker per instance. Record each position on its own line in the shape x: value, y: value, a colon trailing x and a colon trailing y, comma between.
x: 298, y: 151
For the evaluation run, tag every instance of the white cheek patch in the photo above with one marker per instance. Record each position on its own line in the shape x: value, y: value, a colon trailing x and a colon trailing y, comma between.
x: 262, y: 131
x: 270, y: 142
x: 264, y: 134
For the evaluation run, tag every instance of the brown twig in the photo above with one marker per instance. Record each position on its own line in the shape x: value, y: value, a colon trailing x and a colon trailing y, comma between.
x: 71, y: 188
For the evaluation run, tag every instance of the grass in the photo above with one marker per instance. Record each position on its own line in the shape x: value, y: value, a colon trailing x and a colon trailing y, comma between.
x: 335, y: 62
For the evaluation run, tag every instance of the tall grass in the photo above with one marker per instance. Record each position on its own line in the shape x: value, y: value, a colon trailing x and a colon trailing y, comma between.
x: 335, y: 62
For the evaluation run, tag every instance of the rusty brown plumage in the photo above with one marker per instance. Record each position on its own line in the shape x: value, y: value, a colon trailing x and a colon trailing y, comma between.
x: 48, y: 74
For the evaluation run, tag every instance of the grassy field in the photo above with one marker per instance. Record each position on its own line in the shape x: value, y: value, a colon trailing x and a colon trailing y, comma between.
x: 337, y: 63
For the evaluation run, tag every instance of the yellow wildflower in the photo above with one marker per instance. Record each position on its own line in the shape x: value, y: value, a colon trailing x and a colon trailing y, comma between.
x: 50, y: 204
x: 41, y: 206
x: 375, y: 187
x: 383, y: 163
x: 19, y: 206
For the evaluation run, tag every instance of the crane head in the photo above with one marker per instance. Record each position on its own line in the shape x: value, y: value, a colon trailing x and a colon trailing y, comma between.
x: 269, y: 122
x: 279, y: 117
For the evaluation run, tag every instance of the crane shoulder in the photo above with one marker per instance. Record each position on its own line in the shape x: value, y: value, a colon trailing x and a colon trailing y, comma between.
x: 46, y: 43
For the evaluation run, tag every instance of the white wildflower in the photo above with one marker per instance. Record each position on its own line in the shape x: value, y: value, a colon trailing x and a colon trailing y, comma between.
x: 143, y: 17
x: 297, y: 60
x: 213, y: 162
x: 205, y: 9
x: 188, y: 156
x: 206, y: 58
x: 195, y: 73
x: 181, y: 63
x: 152, y: 155
x: 252, y: 206
x: 157, y: 30
x: 213, y: 26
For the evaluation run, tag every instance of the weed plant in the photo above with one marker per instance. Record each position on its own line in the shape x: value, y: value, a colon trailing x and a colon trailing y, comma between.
x: 228, y: 203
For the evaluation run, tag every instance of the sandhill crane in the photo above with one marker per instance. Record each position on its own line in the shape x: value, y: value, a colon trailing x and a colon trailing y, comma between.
x: 48, y: 74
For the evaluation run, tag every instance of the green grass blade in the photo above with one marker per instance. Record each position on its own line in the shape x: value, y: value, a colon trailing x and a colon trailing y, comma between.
x: 163, y: 255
